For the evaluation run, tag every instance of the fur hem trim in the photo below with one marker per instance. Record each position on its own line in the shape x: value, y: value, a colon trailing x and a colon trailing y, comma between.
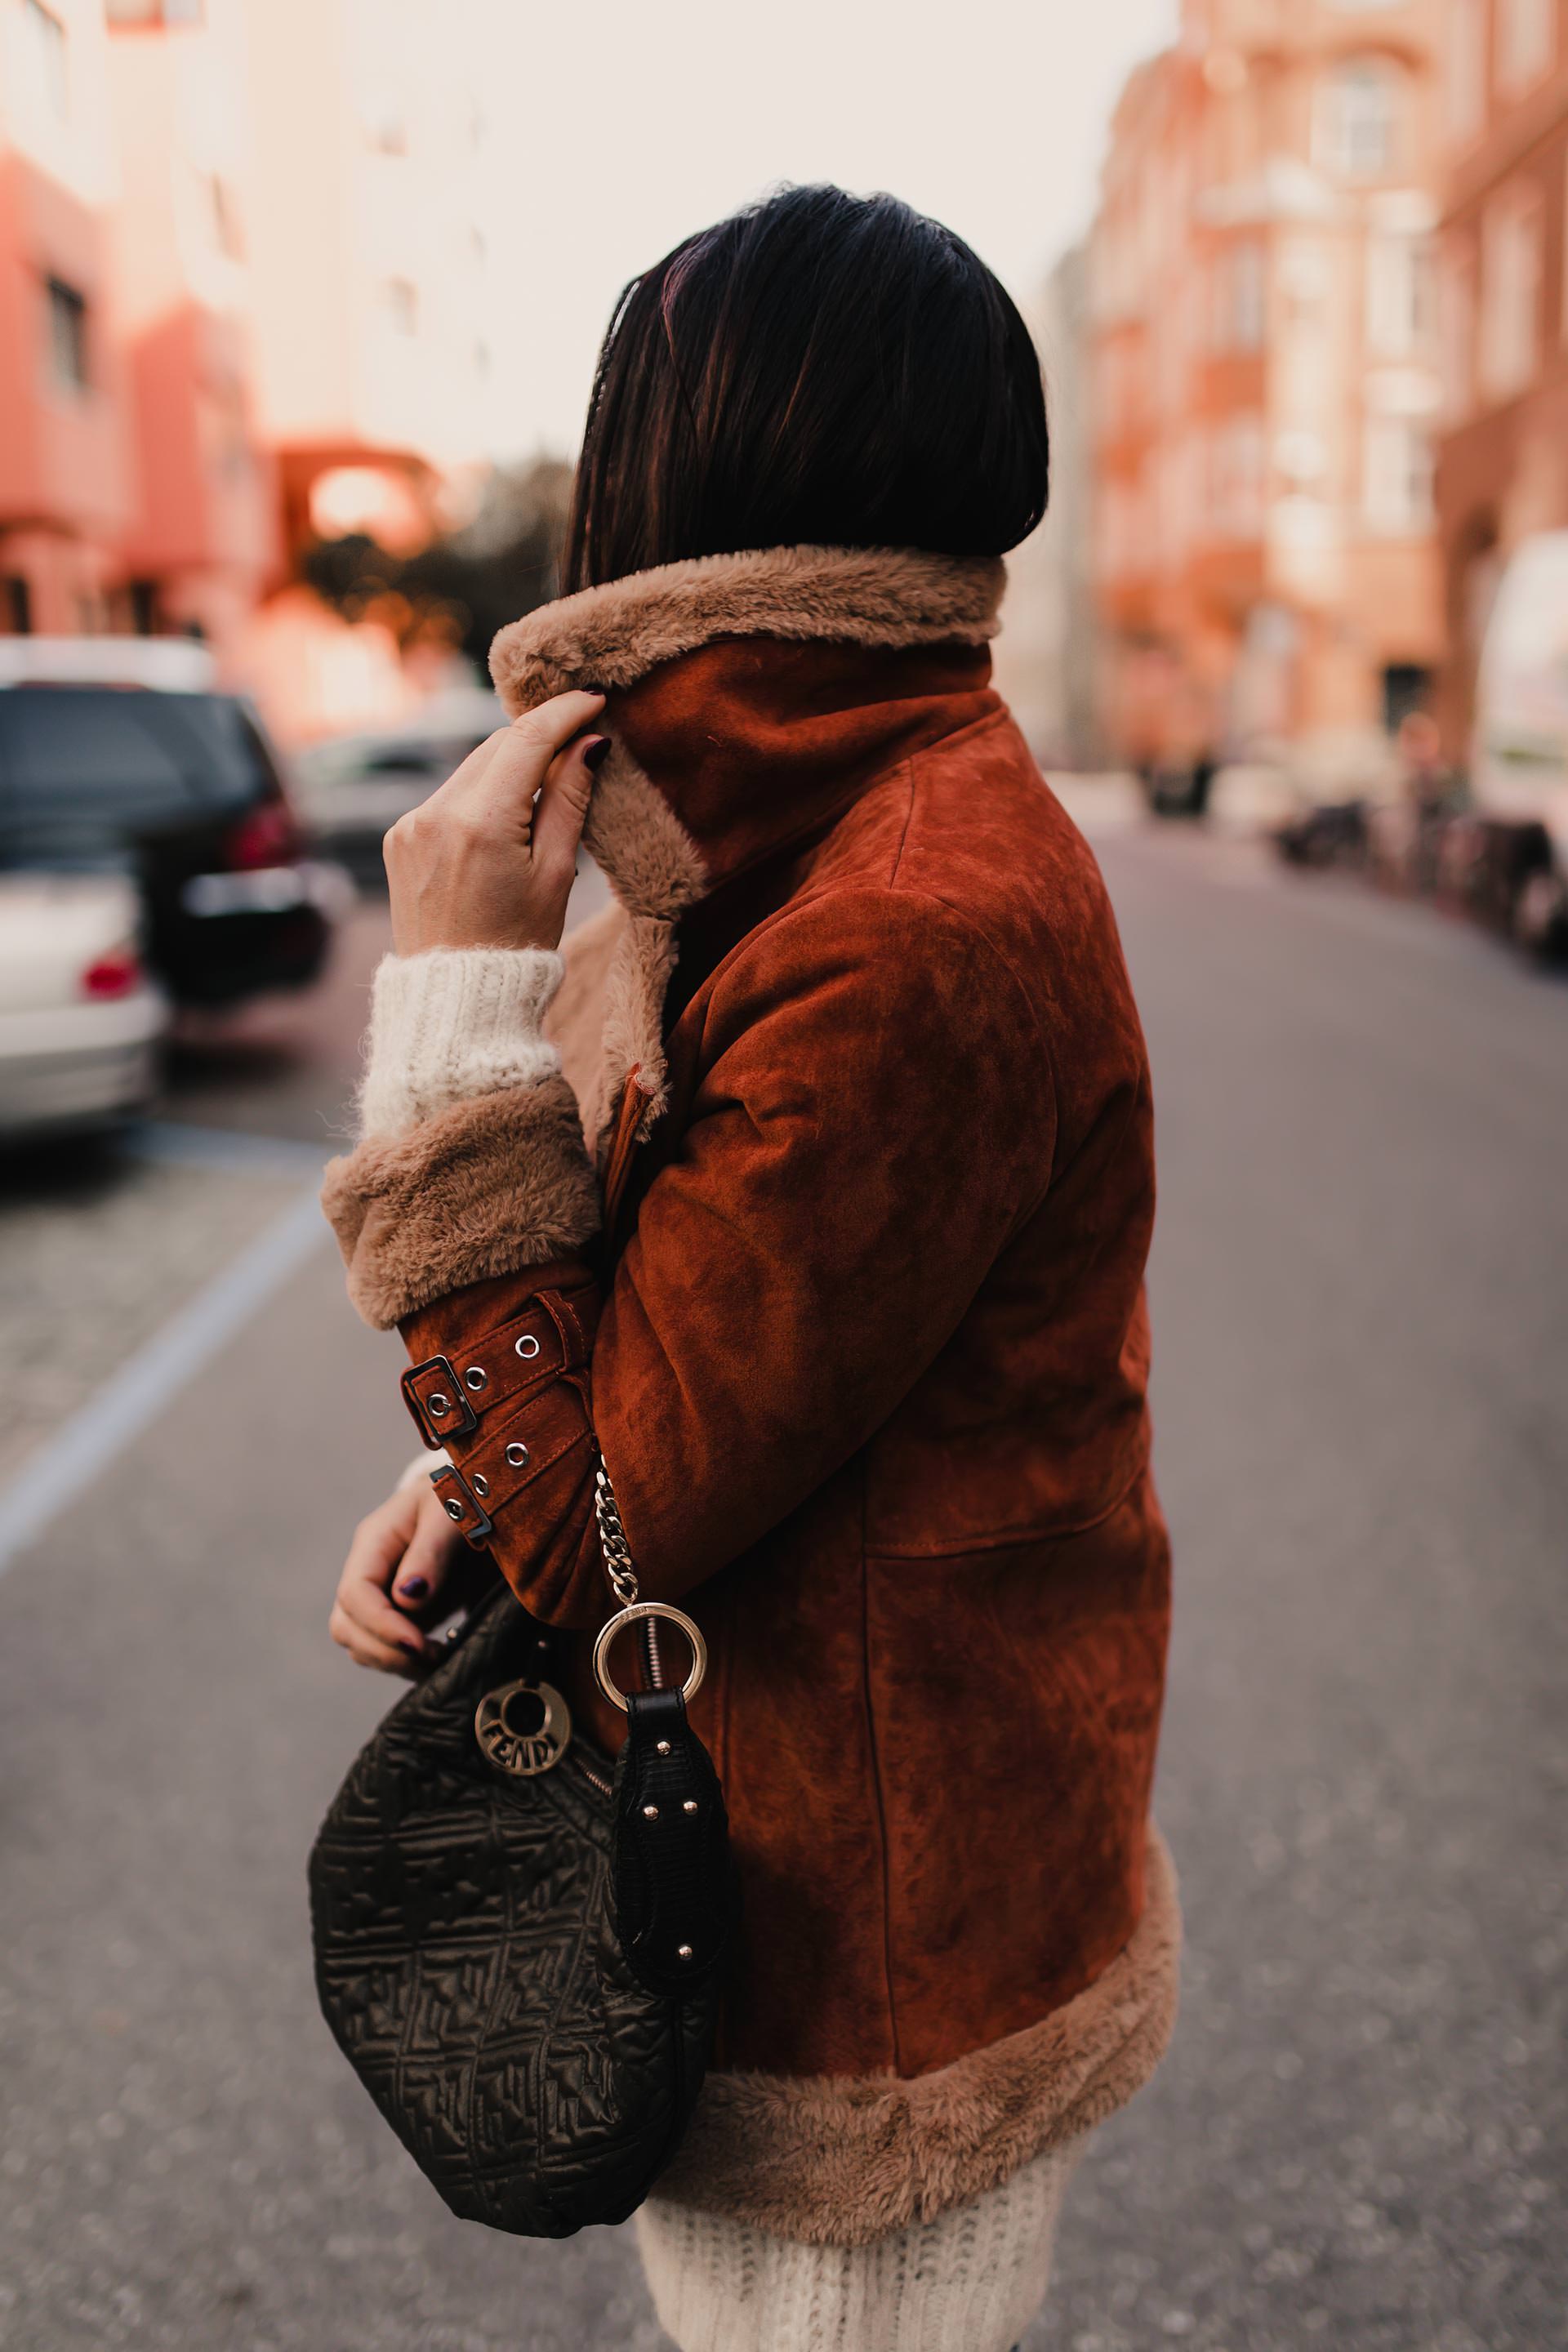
x: 488, y: 1187
x: 841, y: 2161
x: 611, y: 636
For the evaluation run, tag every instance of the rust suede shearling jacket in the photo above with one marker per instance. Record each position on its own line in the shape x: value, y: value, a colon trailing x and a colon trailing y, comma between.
x: 847, y: 1286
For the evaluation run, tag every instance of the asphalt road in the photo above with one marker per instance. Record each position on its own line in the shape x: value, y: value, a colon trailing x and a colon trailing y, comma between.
x: 1361, y: 1300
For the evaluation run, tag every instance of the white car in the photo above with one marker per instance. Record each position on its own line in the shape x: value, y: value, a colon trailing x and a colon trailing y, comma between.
x: 80, y: 1022
x: 351, y: 790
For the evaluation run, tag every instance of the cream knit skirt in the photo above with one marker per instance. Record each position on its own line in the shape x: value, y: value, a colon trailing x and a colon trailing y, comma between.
x: 971, y: 2281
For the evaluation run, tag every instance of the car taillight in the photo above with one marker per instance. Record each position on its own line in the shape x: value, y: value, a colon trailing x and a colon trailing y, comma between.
x: 265, y: 836
x: 118, y: 973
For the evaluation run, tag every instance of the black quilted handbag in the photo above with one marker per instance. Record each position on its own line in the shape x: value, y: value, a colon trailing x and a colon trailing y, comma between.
x: 516, y: 1948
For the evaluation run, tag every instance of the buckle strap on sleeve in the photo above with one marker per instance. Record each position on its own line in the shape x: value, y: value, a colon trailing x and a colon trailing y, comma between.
x: 463, y: 1506
x: 448, y: 1395
x: 436, y: 1398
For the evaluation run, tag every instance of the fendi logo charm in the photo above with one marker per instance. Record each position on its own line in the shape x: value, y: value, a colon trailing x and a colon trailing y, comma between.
x: 524, y: 1727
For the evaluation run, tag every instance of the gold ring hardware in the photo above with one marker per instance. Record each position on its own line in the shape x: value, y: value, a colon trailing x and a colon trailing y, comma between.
x: 523, y: 1728
x: 631, y: 1616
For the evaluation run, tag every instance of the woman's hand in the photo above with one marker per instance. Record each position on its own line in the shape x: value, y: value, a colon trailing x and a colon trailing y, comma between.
x: 489, y: 861
x: 400, y: 1558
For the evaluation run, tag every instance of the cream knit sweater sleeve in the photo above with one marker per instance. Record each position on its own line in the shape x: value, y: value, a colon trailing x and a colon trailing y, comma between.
x: 451, y: 1024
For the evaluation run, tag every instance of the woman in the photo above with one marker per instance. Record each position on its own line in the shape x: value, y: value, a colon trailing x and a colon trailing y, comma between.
x: 847, y: 1283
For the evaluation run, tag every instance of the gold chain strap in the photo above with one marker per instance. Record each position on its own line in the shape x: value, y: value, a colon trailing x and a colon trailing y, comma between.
x: 613, y: 1542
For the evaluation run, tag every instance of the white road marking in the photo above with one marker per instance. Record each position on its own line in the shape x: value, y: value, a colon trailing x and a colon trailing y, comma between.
x: 92, y: 1437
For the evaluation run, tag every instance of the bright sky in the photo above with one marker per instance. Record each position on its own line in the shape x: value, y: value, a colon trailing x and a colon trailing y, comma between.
x: 636, y: 121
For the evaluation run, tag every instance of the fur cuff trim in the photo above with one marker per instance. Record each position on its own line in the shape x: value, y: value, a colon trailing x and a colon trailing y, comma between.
x: 485, y: 1188
x: 447, y: 1026
x: 612, y: 635
x: 841, y: 2161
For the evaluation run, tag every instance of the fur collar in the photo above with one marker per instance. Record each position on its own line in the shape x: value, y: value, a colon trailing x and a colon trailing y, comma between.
x: 612, y: 635
x: 609, y: 637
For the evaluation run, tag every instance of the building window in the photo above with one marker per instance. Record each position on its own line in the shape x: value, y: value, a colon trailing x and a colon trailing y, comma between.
x: 1398, y: 295
x: 51, y: 62
x: 1235, y: 478
x: 154, y: 12
x: 1406, y: 689
x: 1458, y: 333
x: 1238, y: 298
x: 1526, y: 38
x: 1396, y: 484
x: 403, y: 305
x: 68, y: 335
x: 1358, y: 120
x: 16, y: 605
x: 1510, y: 293
x: 1464, y: 69
x: 224, y: 218
x: 386, y: 122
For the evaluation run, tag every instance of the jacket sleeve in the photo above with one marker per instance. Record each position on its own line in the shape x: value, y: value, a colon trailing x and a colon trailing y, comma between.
x: 873, y: 1122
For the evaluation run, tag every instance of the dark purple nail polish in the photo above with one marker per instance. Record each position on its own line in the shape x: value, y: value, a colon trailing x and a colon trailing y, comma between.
x: 411, y: 1643
x: 413, y: 1588
x: 595, y: 752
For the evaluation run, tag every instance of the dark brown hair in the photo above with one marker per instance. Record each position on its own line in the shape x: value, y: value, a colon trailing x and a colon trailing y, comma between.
x: 820, y: 368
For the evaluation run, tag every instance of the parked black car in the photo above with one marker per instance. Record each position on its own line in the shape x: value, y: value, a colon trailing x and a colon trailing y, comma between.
x: 182, y: 790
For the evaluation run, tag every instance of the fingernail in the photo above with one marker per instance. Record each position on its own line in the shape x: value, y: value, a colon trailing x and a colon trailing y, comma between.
x: 595, y: 752
x: 411, y: 1643
x: 413, y: 1588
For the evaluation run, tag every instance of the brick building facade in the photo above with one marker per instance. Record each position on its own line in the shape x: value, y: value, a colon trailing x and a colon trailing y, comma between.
x: 1266, y: 363
x: 1502, y: 467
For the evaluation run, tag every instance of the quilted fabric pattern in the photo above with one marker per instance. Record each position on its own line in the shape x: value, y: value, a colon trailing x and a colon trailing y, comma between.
x: 468, y: 1964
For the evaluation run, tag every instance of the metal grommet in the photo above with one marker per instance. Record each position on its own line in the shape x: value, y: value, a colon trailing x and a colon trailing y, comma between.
x: 634, y: 1615
x: 684, y: 1952
x: 517, y: 1455
x: 664, y: 1747
x: 527, y: 1345
x: 454, y: 1510
x: 480, y: 1485
x: 438, y: 1404
x: 689, y: 1806
x: 650, y: 1812
x: 476, y: 1377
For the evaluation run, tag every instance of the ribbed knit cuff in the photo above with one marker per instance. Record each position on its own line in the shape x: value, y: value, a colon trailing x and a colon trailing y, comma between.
x: 452, y: 1024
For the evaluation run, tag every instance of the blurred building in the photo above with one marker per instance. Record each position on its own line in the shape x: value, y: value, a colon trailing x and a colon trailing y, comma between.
x: 200, y: 540
x: 65, y: 444
x: 370, y: 157
x: 1044, y: 656
x: 245, y: 282
x: 1265, y: 355
x: 370, y: 252
x: 1502, y: 471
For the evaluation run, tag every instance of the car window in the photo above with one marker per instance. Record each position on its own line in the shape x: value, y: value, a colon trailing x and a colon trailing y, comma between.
x: 88, y: 770
x: 420, y: 755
